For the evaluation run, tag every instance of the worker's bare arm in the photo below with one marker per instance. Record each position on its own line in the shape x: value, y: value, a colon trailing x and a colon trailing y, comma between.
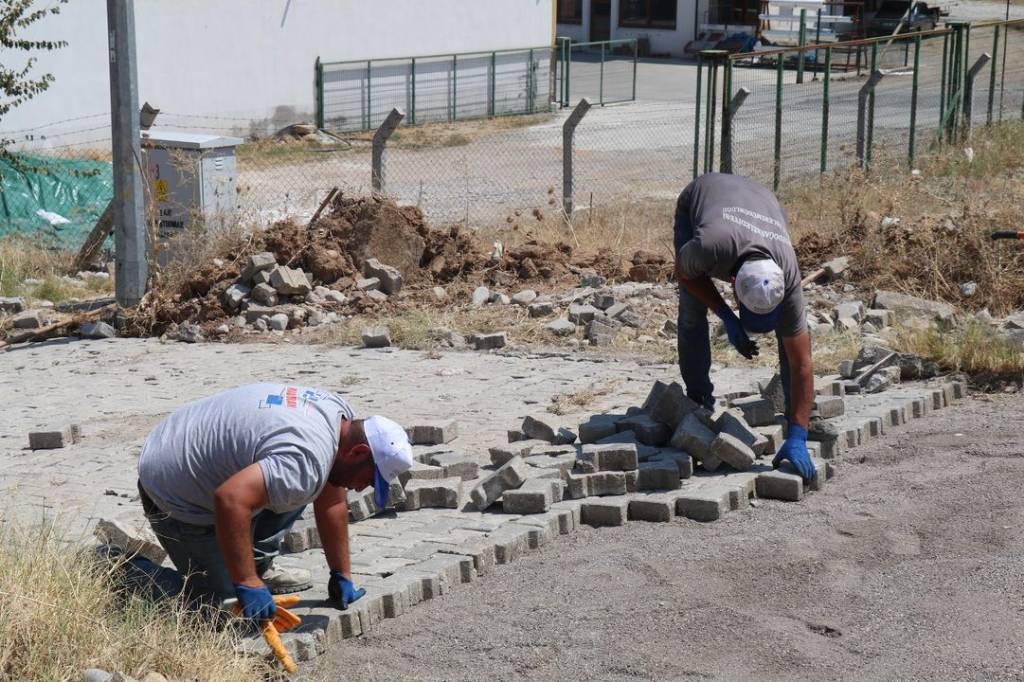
x: 234, y: 503
x: 703, y: 289
x: 331, y: 511
x: 801, y: 377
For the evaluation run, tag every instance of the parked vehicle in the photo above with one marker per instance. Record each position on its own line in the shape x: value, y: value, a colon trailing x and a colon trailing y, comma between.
x: 891, y: 13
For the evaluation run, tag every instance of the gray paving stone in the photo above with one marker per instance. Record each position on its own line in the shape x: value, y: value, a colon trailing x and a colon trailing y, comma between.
x: 489, y: 341
x: 501, y: 454
x: 510, y: 475
x: 671, y: 405
x: 655, y: 507
x: 732, y: 451
x: 480, y: 551
x: 510, y: 542
x: 608, y: 511
x: 55, y: 438
x: 693, y: 436
x: 659, y: 475
x: 756, y: 411
x: 441, y: 492
x: 610, y: 457
x: 647, y: 430
x: 774, y: 437
x: 535, y: 496
x: 433, y: 433
x: 457, y: 465
x: 542, y: 428
x: 701, y: 505
x: 682, y: 460
x: 829, y: 407
x: 598, y: 427
x: 568, y: 515
x: 777, y: 485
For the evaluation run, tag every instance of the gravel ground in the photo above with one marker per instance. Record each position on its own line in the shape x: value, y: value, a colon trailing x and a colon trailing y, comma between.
x: 907, y: 568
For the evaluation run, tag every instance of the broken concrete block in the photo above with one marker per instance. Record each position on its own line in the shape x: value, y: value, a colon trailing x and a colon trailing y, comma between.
x: 133, y: 539
x: 600, y: 332
x: 603, y: 300
x: 290, y: 281
x: 703, y: 505
x: 54, y: 439
x: 368, y: 284
x: 777, y: 485
x: 658, y: 475
x: 96, y: 330
x: 390, y: 278
x: 524, y: 297
x: 278, y: 322
x: 376, y: 337
x: 647, y: 430
x: 906, y: 307
x: 612, y: 511
x: 732, y: 451
x: 258, y: 262
x: 455, y: 465
x: 598, y: 427
x: 543, y: 309
x: 835, y: 267
x: 828, y: 407
x: 656, y: 507
x: 489, y: 341
x: 264, y: 294
x: 737, y: 427
x: 30, y: 319
x: 879, y: 318
x: 433, y: 433
x: 11, y: 304
x: 773, y: 435
x: 616, y: 310
x: 853, y: 310
x: 540, y: 428
x: 561, y: 327
x: 756, y: 411
x: 535, y: 496
x: 611, y: 457
x: 828, y: 434
x: 442, y: 493
x: 693, y: 436
x: 671, y: 405
x: 234, y: 295
x: 510, y: 475
x: 582, y: 314
x: 515, y: 435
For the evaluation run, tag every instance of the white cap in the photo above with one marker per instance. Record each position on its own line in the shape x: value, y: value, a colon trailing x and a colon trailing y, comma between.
x: 392, y: 453
x: 760, y: 285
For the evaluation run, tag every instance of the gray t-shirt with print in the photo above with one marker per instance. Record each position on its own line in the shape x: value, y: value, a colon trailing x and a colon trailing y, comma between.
x: 733, y: 217
x: 291, y: 431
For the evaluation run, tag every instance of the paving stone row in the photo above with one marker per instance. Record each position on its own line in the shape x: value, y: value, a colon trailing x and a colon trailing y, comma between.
x: 456, y: 523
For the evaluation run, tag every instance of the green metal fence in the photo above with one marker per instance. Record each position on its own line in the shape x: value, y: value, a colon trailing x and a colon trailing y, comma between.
x: 823, y: 107
x: 357, y: 95
x: 603, y: 71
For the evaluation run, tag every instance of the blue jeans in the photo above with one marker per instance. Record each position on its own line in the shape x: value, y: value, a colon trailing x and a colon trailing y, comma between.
x: 693, y: 341
x: 196, y: 553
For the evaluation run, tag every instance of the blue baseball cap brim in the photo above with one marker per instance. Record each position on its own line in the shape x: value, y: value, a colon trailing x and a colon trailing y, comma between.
x: 757, y: 323
x: 381, y: 489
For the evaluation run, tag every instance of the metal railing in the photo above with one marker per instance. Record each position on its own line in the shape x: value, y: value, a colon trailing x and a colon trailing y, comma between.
x: 358, y: 95
x: 602, y: 71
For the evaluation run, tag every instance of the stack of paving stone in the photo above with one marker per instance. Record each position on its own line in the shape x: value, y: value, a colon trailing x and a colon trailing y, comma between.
x: 455, y: 520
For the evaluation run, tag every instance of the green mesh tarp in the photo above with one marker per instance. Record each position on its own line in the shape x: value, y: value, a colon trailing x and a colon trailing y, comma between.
x: 38, y: 194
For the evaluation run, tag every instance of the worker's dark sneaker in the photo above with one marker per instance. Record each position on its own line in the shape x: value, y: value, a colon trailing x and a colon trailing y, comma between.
x: 286, y: 580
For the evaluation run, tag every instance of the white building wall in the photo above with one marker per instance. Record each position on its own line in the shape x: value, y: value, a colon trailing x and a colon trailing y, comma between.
x: 251, y: 60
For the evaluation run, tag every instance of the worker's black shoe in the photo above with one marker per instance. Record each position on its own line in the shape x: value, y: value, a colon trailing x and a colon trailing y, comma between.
x: 281, y: 580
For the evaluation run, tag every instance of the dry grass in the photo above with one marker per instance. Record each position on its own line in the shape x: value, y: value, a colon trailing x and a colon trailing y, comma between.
x: 195, y: 248
x: 21, y: 259
x: 582, y: 398
x: 974, y: 347
x: 945, y: 218
x: 59, y: 615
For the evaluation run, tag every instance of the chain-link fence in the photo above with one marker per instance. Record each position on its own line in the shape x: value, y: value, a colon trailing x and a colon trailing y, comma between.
x: 604, y: 72
x: 758, y: 114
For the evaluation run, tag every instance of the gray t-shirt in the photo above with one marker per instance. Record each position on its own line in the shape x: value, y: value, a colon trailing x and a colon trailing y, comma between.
x: 291, y: 431
x: 733, y: 217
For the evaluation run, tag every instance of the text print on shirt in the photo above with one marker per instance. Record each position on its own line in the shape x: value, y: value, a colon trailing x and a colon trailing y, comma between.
x: 289, y: 397
x: 727, y: 214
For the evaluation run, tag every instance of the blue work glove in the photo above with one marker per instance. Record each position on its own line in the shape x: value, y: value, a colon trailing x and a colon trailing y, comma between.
x: 795, y: 450
x: 256, y: 602
x: 737, y: 336
x: 342, y: 590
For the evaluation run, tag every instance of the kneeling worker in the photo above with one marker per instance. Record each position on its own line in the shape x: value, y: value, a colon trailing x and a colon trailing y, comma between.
x: 733, y: 229
x: 223, y: 479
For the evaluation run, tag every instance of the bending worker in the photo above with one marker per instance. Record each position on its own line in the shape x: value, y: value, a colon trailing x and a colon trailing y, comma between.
x: 732, y: 229
x: 223, y: 479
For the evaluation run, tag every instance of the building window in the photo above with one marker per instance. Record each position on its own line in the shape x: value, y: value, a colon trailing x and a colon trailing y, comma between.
x: 648, y: 13
x: 570, y: 11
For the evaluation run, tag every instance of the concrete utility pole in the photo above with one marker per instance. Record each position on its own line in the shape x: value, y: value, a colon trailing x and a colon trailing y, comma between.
x: 129, y: 221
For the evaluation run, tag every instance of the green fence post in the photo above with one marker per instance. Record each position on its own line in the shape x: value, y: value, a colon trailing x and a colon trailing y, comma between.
x: 490, y: 105
x: 913, y: 101
x: 600, y: 82
x: 942, y: 79
x: 369, y: 100
x: 725, y: 165
x: 696, y: 119
x: 636, y: 54
x: 825, y: 109
x: 453, y: 112
x: 802, y: 42
x: 871, y: 106
x: 777, y: 174
x: 992, y: 76
x: 319, y: 93
x: 817, y: 41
